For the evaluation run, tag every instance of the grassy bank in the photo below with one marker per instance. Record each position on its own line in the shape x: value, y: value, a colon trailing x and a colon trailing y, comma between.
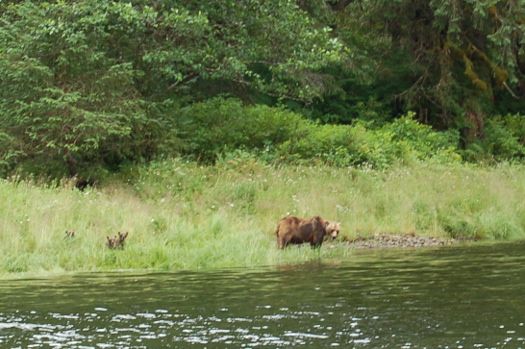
x: 181, y: 215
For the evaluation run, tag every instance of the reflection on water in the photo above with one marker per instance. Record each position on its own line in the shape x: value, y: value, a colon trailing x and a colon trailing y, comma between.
x: 450, y: 298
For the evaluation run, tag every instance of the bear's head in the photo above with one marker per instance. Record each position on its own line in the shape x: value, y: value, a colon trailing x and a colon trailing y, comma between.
x: 332, y: 229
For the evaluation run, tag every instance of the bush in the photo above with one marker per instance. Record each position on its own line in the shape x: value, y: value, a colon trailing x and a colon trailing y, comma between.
x: 404, y: 140
x: 504, y: 137
x: 327, y: 143
x: 222, y: 125
x: 8, y: 153
x: 503, y: 140
x: 516, y: 125
x: 423, y: 141
x: 72, y: 106
x: 212, y: 127
x: 484, y: 224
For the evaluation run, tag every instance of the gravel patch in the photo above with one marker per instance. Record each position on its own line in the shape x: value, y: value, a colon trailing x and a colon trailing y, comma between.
x: 398, y: 241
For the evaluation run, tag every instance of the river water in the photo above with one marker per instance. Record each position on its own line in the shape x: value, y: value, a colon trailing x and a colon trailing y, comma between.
x: 458, y: 297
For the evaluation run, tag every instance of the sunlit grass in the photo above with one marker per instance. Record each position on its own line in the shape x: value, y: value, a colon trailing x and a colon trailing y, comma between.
x: 184, y: 216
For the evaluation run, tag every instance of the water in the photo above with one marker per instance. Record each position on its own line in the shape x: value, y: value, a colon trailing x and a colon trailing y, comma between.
x: 461, y: 297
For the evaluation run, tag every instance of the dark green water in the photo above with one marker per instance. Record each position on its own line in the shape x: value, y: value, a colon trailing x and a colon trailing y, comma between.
x: 461, y: 297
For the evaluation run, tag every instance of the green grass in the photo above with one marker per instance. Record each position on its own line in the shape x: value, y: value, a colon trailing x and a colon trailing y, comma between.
x: 181, y: 215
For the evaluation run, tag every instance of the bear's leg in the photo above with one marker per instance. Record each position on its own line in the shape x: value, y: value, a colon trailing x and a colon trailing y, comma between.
x: 281, y: 243
x: 317, y: 240
x: 316, y: 244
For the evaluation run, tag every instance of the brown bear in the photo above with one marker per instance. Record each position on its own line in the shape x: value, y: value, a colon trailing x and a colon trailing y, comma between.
x: 294, y: 230
x: 117, y: 241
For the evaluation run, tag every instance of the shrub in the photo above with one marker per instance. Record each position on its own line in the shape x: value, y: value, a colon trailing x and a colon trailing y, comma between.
x: 423, y: 141
x: 503, y: 140
x: 327, y: 143
x: 221, y: 125
x: 8, y: 153
x: 504, y: 137
x: 516, y: 125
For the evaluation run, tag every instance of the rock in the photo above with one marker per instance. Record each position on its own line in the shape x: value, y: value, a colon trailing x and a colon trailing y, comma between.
x: 396, y: 241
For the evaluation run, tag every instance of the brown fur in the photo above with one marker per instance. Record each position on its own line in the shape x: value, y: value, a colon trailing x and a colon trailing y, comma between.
x: 117, y: 241
x: 294, y: 230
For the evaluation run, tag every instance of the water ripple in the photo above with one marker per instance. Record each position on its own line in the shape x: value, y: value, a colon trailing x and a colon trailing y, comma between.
x: 450, y: 298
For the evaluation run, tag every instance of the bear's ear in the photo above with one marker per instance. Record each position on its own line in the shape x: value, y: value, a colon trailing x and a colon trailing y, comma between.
x: 326, y: 224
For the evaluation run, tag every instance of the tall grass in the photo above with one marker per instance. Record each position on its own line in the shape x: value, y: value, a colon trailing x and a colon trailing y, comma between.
x: 181, y: 215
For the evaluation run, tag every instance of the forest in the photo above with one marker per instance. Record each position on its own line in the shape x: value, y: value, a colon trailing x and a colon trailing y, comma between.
x: 90, y: 87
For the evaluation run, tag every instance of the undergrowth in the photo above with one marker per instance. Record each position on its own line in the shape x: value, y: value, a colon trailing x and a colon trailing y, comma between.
x: 183, y: 215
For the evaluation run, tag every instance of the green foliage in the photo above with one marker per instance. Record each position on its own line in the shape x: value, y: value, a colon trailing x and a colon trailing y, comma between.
x: 501, y: 141
x: 424, y: 142
x: 182, y: 215
x: 96, y: 83
x: 440, y: 58
x: 402, y: 141
x: 62, y: 96
x: 516, y: 125
x: 225, y: 124
x: 88, y: 86
x: 325, y: 143
x: 219, y: 125
x: 8, y: 153
x: 504, y: 140
x: 483, y: 225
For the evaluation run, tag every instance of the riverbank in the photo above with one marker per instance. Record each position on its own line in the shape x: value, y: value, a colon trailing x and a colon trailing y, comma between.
x: 398, y: 241
x: 181, y: 215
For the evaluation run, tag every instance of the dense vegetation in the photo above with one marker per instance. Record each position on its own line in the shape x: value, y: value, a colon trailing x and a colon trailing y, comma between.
x: 203, y: 119
x: 89, y: 86
x: 181, y: 215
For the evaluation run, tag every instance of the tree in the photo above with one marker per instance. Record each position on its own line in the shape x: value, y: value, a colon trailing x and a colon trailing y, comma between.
x: 453, y: 61
x: 93, y: 81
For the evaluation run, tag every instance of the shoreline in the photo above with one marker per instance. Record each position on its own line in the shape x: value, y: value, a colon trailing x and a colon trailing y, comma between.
x: 376, y: 242
x: 183, y: 216
x: 392, y: 241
